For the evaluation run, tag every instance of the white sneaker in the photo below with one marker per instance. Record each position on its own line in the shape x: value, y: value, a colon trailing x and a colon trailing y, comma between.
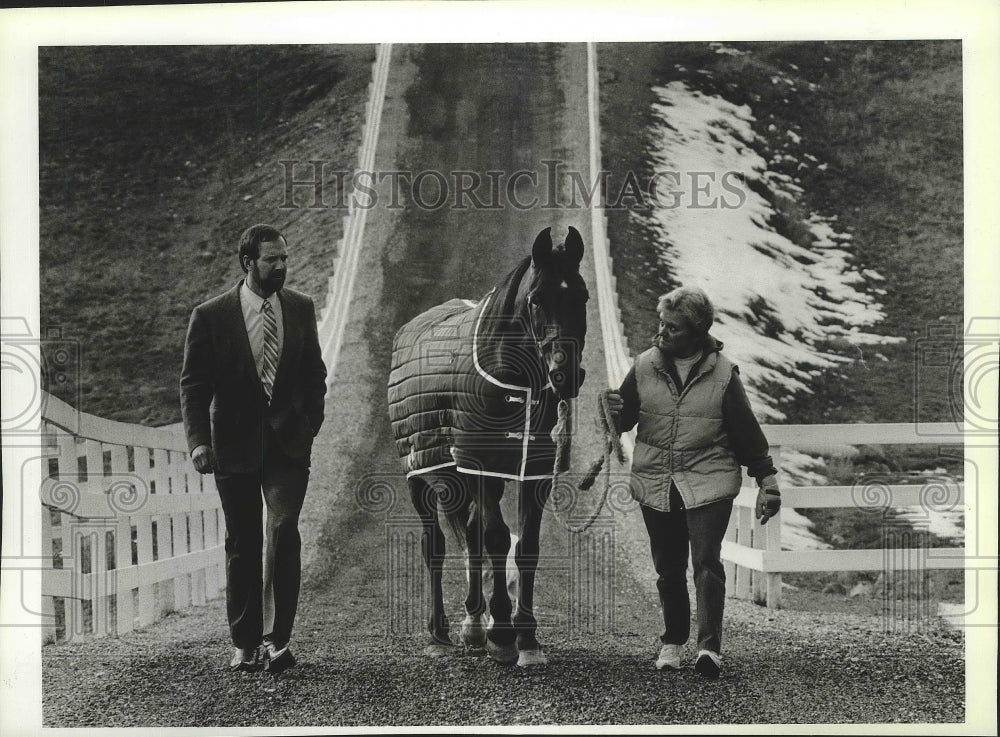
x: 670, y: 658
x: 708, y: 664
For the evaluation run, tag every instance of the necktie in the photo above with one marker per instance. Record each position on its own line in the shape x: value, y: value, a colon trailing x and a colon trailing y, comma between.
x: 269, y: 367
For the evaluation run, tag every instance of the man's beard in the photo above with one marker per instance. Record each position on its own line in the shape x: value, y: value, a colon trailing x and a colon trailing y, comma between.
x: 273, y: 283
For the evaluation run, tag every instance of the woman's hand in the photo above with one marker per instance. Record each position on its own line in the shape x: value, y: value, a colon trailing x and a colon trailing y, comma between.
x: 615, y: 403
x: 768, y: 498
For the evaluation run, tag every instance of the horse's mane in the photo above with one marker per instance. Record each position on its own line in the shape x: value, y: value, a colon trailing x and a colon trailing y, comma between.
x: 498, y: 313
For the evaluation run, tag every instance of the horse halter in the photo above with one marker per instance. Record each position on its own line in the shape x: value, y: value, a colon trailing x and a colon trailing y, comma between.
x: 550, y: 335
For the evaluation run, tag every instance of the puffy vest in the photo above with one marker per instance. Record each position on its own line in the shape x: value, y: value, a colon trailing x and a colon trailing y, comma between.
x: 680, y: 437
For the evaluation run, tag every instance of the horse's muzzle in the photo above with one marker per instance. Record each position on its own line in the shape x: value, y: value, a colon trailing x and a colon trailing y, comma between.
x: 567, y: 381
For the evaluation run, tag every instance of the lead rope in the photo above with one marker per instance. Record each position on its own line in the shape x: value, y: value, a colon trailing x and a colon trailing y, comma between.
x: 563, y: 440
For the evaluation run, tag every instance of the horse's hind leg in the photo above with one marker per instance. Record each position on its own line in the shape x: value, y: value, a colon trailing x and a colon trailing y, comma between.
x: 432, y: 545
x: 473, y: 629
x: 531, y: 504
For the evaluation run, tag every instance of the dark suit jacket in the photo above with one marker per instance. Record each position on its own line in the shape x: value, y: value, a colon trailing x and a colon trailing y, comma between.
x: 222, y: 398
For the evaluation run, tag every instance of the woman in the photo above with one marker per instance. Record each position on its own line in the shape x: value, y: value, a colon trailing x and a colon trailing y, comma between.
x: 695, y: 430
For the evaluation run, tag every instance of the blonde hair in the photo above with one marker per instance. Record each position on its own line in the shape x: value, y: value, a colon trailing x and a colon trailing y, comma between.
x: 693, y: 305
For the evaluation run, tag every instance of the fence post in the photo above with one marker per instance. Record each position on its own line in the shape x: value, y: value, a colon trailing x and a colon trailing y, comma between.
x: 69, y: 470
x: 772, y: 533
x: 758, y: 536
x: 179, y: 524
x: 144, y: 540
x: 48, y: 602
x: 124, y: 608
x: 198, y: 594
x: 744, y: 536
x: 728, y: 566
x: 101, y: 590
x: 215, y: 575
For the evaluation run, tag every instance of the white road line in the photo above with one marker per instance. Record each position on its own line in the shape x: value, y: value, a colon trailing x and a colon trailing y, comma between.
x: 341, y: 285
x: 616, y: 353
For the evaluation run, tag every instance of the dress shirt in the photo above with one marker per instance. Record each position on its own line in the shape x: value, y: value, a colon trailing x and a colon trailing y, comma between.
x: 253, y: 318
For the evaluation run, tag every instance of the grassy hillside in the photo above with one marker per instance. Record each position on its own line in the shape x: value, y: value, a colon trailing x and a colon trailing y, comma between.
x: 886, y: 119
x: 152, y: 161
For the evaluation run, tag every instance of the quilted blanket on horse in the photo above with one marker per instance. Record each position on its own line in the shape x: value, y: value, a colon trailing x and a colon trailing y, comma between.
x: 446, y: 408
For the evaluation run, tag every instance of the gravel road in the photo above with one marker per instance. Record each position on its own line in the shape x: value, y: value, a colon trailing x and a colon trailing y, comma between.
x: 359, y: 635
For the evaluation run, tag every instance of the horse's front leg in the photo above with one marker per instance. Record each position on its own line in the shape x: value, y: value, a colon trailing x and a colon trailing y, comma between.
x: 531, y: 504
x: 496, y: 537
x: 432, y: 546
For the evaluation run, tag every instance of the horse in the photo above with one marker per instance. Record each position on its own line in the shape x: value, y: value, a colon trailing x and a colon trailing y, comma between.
x: 474, y: 392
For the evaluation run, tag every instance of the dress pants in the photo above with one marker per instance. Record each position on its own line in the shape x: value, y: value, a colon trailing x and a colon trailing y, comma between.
x: 263, y: 571
x: 670, y: 535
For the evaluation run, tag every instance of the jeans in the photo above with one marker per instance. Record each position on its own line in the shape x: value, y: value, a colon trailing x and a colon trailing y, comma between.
x: 263, y: 568
x: 670, y: 535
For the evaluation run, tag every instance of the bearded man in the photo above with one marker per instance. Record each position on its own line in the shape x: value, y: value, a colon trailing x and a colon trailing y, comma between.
x: 252, y: 394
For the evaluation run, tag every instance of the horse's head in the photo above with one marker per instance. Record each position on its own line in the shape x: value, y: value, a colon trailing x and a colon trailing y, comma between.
x: 554, y: 297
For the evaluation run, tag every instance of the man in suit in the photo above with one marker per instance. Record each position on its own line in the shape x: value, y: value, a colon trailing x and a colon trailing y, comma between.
x: 252, y: 389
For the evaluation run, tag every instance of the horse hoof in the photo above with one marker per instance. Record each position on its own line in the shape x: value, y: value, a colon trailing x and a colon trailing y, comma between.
x: 473, y: 633
x: 529, y: 658
x: 438, y: 650
x: 504, y: 654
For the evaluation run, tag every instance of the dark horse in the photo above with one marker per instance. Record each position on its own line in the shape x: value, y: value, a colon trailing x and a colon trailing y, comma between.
x: 474, y: 393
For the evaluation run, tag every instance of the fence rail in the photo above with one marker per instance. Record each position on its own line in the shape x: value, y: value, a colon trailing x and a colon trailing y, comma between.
x: 753, y: 555
x: 753, y: 552
x: 130, y: 531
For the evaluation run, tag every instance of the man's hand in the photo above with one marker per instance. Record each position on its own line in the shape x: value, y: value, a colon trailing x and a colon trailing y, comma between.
x: 768, y: 499
x: 204, y: 459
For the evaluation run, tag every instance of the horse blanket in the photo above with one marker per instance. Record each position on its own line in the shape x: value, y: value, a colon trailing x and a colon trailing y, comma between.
x: 448, y: 409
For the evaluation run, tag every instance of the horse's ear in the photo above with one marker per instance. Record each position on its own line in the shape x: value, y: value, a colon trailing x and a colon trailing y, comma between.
x: 574, y: 245
x: 541, y: 251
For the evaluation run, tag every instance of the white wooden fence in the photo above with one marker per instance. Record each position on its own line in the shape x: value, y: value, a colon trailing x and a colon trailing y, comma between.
x: 753, y: 552
x: 130, y: 529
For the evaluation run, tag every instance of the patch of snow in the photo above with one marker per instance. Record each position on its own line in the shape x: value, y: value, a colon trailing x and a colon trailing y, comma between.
x: 952, y: 613
x: 807, y: 294
x: 797, y: 534
x: 721, y: 48
x: 947, y: 524
x: 799, y: 468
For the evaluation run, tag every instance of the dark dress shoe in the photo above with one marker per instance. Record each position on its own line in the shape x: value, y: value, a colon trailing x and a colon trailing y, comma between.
x: 277, y: 660
x: 244, y: 659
